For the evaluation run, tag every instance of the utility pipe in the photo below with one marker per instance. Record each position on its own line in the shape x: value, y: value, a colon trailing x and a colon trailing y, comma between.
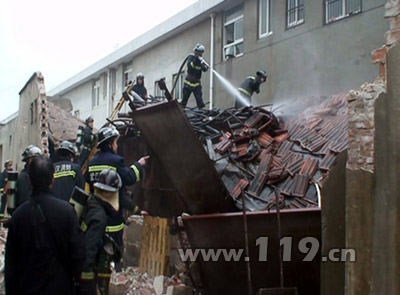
x: 212, y: 16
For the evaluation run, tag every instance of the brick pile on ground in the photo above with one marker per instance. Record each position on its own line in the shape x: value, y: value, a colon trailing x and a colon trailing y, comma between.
x: 131, y: 282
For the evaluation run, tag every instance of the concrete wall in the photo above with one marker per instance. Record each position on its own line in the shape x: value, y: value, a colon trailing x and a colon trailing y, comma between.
x: 8, y: 138
x: 165, y: 59
x: 386, y: 229
x: 310, y: 59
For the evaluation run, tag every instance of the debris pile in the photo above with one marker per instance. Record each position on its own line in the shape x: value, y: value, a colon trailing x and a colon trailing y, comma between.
x: 3, y: 238
x: 256, y: 151
x: 131, y: 282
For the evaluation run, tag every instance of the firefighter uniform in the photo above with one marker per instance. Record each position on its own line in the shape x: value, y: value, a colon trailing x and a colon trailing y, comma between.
x: 192, y: 81
x: 3, y: 193
x: 250, y: 85
x: 247, y: 88
x: 23, y: 187
x: 88, y: 139
x: 67, y: 175
x: 101, y: 223
x: 129, y: 175
x: 139, y: 88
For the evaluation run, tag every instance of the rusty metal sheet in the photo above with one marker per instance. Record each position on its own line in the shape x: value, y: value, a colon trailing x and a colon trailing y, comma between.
x: 225, y: 231
x: 170, y: 136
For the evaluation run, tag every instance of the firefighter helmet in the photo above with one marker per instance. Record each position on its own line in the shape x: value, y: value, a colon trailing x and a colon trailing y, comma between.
x: 67, y: 146
x: 31, y: 151
x: 105, y: 134
x: 199, y: 48
x: 109, y: 180
x: 89, y: 119
x: 140, y: 76
x: 262, y: 74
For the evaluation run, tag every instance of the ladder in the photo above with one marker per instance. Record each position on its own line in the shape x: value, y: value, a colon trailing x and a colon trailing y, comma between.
x: 112, y: 117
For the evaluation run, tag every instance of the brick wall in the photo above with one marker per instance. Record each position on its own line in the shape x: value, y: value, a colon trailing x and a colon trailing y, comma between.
x: 361, y: 102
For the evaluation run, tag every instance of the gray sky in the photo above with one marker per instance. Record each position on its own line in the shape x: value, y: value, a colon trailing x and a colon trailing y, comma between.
x: 61, y: 38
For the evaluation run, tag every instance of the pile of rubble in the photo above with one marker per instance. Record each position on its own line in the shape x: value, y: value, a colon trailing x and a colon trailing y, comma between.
x: 3, y: 238
x: 265, y: 155
x: 132, y: 282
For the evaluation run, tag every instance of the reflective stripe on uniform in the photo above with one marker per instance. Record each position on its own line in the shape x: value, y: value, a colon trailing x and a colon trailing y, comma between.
x: 137, y: 172
x: 244, y: 91
x: 195, y: 67
x: 109, y: 229
x: 104, y: 275
x: 87, y: 275
x: 64, y: 174
x: 192, y: 84
x: 99, y: 168
x: 114, y: 228
x: 83, y: 226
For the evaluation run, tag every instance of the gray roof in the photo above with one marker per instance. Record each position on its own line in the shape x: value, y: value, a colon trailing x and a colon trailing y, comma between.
x: 179, y: 22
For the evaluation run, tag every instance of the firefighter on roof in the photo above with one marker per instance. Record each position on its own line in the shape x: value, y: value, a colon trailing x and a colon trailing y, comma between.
x: 250, y: 85
x: 195, y: 66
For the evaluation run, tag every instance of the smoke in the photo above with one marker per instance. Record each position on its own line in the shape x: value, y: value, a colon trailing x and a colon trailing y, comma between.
x: 292, y: 107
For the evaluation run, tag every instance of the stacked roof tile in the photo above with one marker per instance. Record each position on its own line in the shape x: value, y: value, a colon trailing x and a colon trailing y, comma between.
x: 291, y: 153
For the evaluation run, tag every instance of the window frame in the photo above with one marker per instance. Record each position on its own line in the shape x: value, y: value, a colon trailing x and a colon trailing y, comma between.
x: 96, y: 93
x: 179, y: 85
x: 269, y: 31
x: 345, y: 13
x: 157, y: 89
x: 235, y: 42
x: 296, y: 8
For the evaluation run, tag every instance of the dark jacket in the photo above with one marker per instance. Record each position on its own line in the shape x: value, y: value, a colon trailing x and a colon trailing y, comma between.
x: 100, y: 218
x: 3, y: 181
x: 43, y: 255
x: 129, y: 175
x: 23, y: 186
x: 88, y: 138
x: 67, y: 175
x: 194, y: 70
x: 249, y: 86
x: 140, y: 90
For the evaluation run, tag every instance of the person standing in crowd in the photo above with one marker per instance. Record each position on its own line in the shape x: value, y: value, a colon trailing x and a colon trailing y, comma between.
x: 139, y: 88
x: 3, y: 185
x: 250, y: 85
x: 88, y: 139
x: 67, y: 174
x: 195, y: 66
x: 23, y: 185
x: 109, y: 158
x: 103, y: 225
x: 44, y: 248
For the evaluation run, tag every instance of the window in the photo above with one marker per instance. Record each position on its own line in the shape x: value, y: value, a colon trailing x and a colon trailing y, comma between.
x: 158, y: 93
x: 179, y: 85
x: 96, y: 93
x: 264, y: 18
x: 128, y: 73
x: 338, y: 9
x: 295, y: 13
x: 233, y: 32
x: 76, y: 113
x: 10, y: 141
